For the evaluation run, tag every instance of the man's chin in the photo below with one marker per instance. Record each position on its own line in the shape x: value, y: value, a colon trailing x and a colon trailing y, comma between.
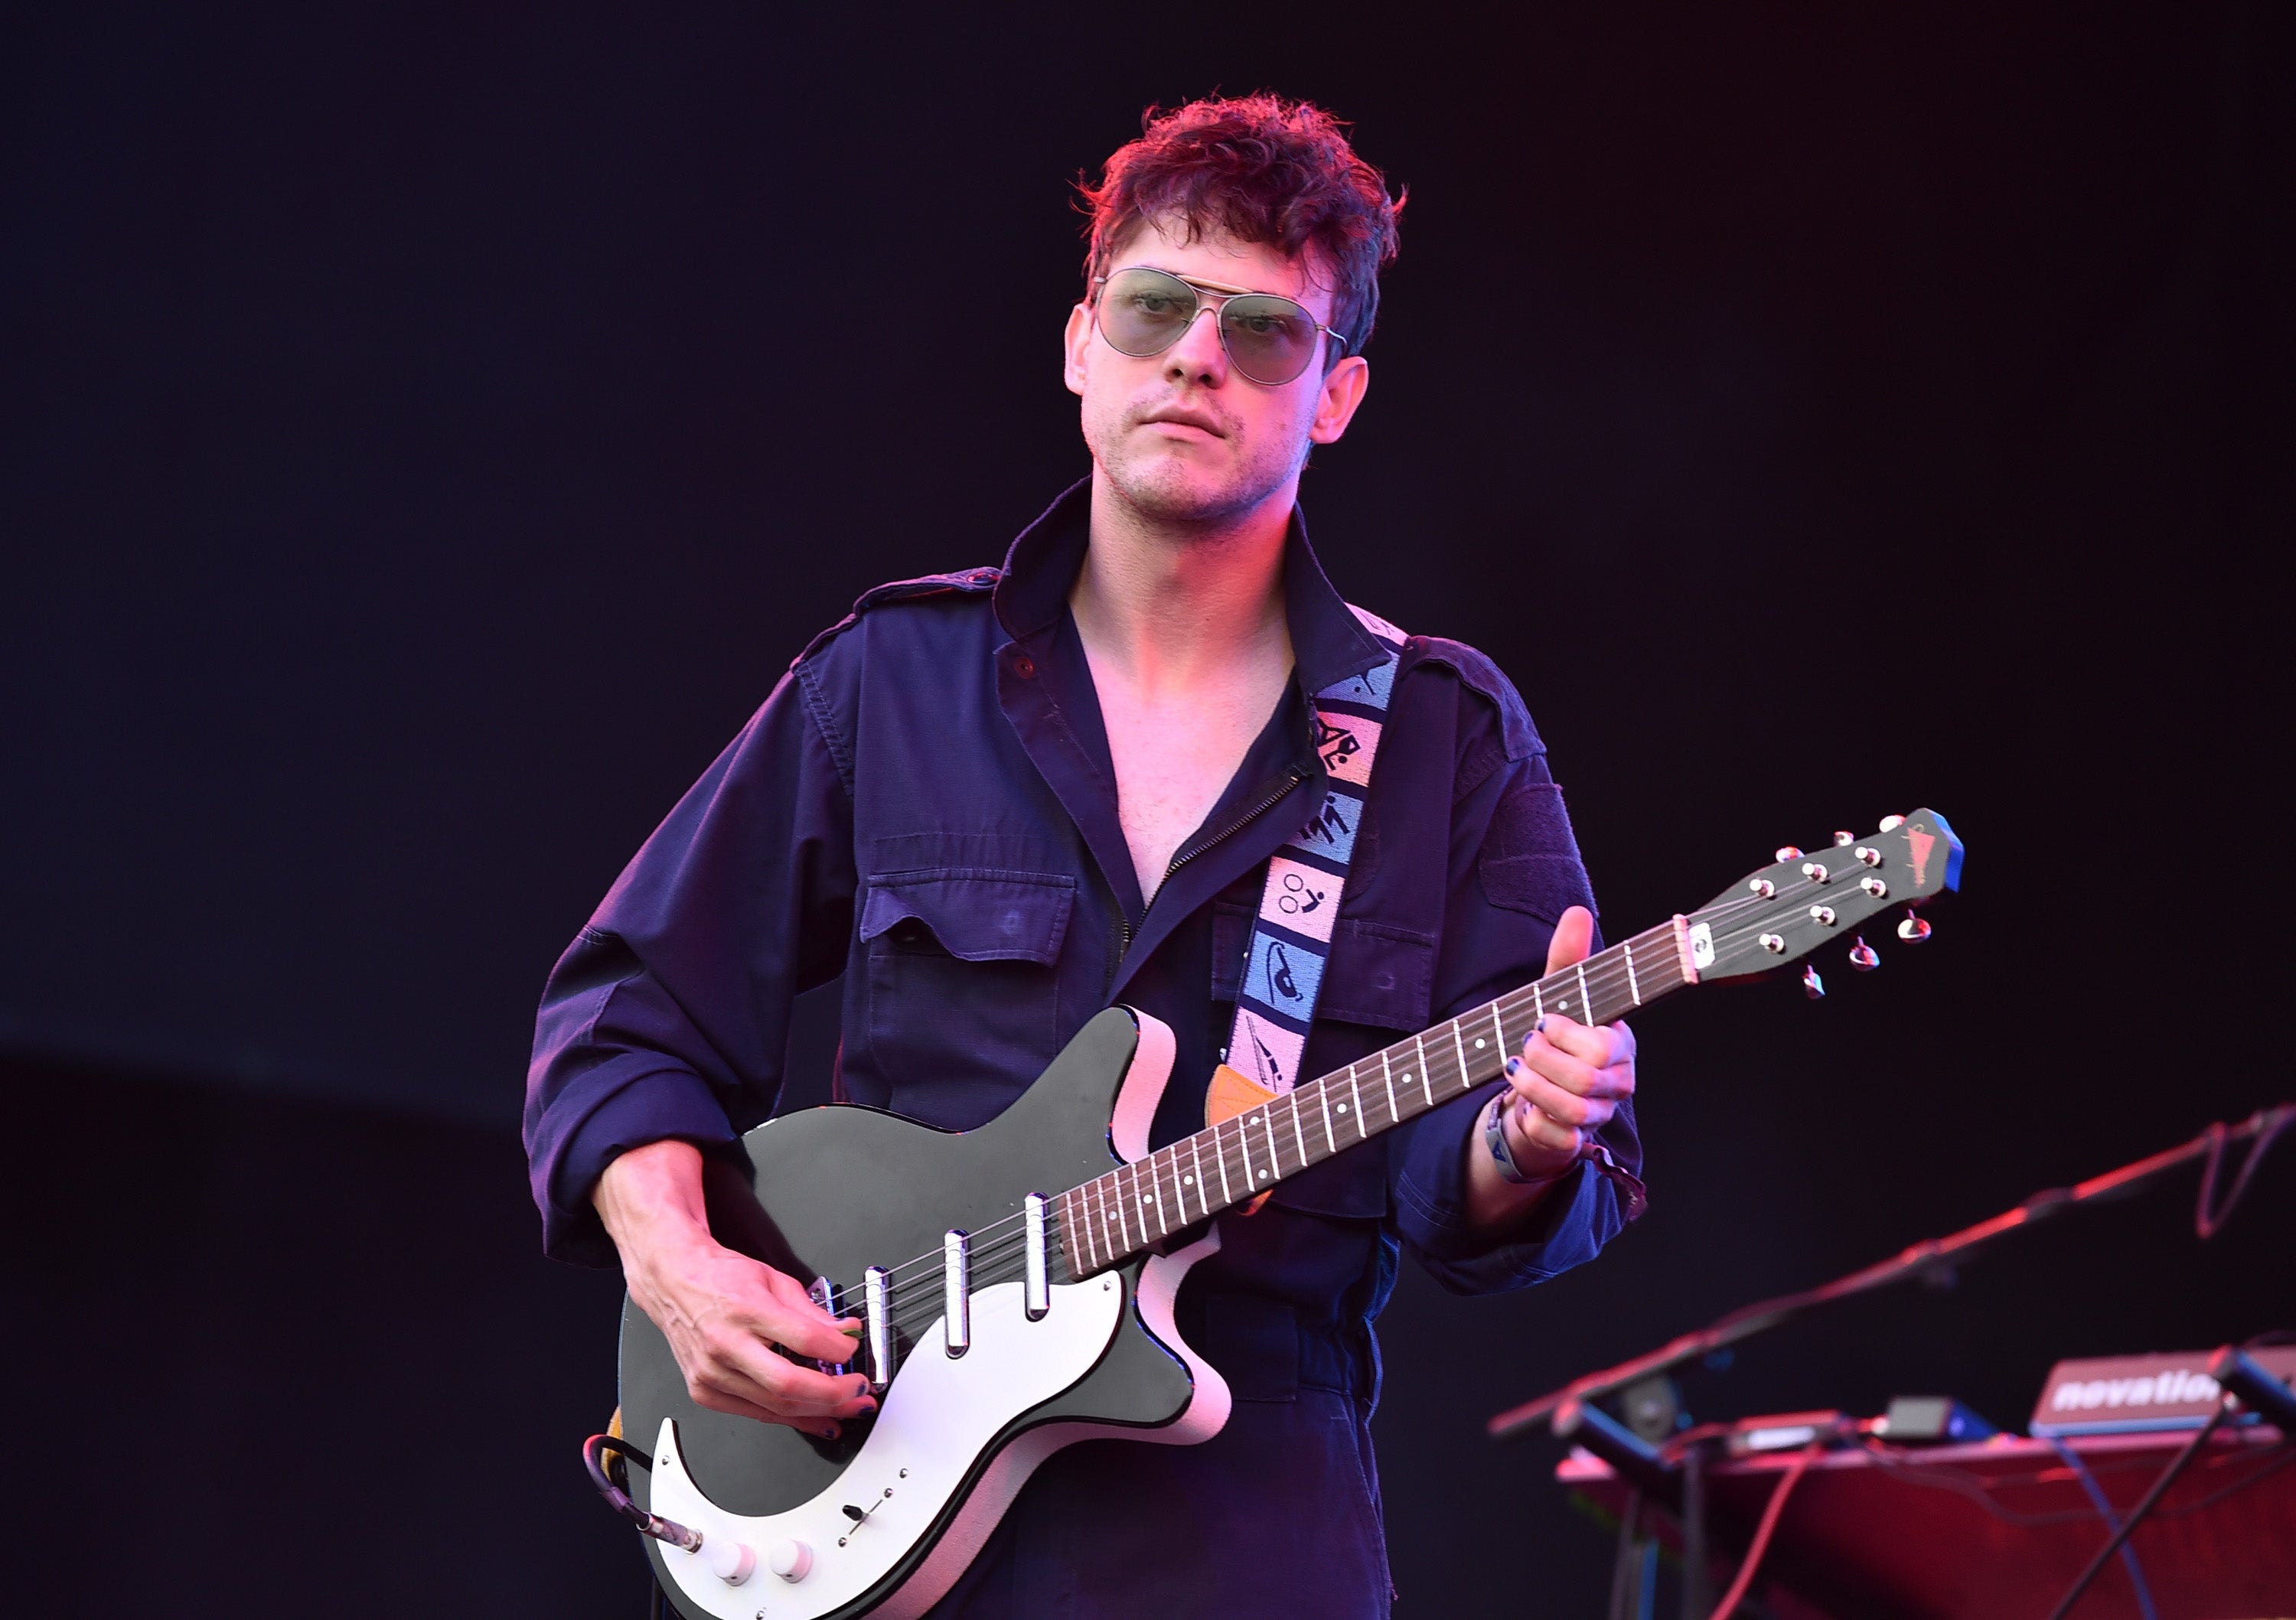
x: 1166, y: 491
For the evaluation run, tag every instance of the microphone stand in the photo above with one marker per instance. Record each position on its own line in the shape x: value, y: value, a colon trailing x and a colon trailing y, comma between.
x: 1934, y: 1252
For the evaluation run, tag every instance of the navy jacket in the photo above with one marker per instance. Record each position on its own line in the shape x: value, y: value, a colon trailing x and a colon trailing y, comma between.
x: 926, y: 804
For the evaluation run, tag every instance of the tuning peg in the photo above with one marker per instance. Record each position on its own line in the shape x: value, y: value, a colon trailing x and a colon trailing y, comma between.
x: 1812, y: 985
x: 1843, y: 840
x: 1787, y: 852
x: 1890, y: 823
x: 1864, y: 957
x: 1913, y: 930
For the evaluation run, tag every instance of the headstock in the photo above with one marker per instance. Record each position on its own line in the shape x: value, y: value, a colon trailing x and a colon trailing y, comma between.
x: 1803, y: 901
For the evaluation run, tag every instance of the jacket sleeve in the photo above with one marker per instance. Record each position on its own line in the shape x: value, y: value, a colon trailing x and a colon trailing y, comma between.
x: 1514, y: 868
x: 669, y: 1015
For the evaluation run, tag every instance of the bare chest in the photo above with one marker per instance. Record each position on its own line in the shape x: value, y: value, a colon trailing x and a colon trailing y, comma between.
x: 1174, y: 755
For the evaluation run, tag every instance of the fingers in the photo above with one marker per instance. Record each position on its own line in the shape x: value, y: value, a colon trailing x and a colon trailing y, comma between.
x: 734, y: 1325
x: 1570, y: 1081
x: 1573, y: 936
x: 1591, y: 1062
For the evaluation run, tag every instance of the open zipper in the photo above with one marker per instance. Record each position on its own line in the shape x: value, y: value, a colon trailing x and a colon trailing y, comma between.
x: 1124, y: 924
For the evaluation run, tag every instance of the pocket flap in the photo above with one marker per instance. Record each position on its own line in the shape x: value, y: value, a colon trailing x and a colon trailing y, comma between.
x: 977, y: 915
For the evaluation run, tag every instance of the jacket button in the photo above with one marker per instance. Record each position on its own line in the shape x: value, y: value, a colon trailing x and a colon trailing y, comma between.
x: 1025, y: 666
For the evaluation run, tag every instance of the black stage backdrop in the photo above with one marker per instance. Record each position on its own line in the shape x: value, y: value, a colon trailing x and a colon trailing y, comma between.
x: 430, y: 431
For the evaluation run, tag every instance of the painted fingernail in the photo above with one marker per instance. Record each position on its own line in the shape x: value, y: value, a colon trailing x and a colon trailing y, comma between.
x: 1514, y: 1066
x: 852, y: 1332
x: 1539, y: 1027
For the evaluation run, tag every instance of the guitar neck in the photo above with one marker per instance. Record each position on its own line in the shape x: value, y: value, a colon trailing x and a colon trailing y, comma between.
x: 1139, y: 1204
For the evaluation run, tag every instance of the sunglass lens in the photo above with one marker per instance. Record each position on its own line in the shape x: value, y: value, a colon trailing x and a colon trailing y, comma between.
x: 1270, y: 340
x: 1143, y: 312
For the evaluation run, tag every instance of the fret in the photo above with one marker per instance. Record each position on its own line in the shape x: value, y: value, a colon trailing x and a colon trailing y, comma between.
x: 1120, y: 1213
x: 1080, y: 1259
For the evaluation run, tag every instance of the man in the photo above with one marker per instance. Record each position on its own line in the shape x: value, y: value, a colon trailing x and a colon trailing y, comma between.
x: 998, y: 801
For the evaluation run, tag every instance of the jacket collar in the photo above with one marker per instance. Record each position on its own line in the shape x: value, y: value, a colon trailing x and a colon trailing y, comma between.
x: 1329, y: 645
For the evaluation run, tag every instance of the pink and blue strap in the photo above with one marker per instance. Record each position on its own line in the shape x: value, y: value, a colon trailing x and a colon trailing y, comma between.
x: 1291, y: 937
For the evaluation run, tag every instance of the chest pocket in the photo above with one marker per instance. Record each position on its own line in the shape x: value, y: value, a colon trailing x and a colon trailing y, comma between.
x: 1380, y: 978
x: 962, y: 984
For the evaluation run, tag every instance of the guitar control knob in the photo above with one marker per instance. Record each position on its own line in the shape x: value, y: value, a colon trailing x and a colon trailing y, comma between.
x: 1890, y: 823
x: 1787, y: 852
x: 731, y: 1561
x: 1913, y: 930
x: 1864, y: 957
x: 1843, y: 840
x: 790, y: 1560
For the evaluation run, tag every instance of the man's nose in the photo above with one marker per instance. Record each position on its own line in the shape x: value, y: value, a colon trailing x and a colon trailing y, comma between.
x: 1197, y: 356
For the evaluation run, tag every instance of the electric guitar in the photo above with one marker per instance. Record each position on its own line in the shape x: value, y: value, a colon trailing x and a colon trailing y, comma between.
x: 1015, y: 1283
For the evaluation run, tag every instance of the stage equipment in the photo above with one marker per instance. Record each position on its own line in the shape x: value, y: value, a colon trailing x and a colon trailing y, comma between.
x: 2132, y: 1393
x: 1993, y: 1531
x: 1017, y: 1281
x: 1674, y: 1478
x: 1926, y: 1258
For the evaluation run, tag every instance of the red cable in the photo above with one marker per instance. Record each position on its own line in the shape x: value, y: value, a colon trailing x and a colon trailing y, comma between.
x: 1786, y: 1482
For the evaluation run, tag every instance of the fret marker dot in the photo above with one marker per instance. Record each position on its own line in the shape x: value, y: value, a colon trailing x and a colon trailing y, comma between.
x: 1407, y: 1079
x: 1187, y: 1181
x: 1479, y: 1042
x: 1343, y: 1108
x: 1263, y: 1175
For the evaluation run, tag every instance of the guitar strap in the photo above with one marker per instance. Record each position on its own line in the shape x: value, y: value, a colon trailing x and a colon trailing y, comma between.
x: 1291, y: 936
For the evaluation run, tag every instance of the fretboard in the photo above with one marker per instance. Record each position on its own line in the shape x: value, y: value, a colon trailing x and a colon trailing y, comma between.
x: 1139, y: 1204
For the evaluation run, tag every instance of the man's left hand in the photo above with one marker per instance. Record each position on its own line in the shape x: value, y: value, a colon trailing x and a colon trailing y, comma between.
x: 1570, y: 1079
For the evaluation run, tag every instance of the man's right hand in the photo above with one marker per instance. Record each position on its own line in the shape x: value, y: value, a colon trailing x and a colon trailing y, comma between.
x: 723, y: 1313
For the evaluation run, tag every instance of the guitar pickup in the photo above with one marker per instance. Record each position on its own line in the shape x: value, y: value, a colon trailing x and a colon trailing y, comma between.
x: 956, y: 1291
x: 822, y: 1292
x: 875, y: 1313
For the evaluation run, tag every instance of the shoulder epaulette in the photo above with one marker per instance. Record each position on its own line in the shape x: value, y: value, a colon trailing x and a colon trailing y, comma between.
x: 1485, y: 678
x: 968, y: 582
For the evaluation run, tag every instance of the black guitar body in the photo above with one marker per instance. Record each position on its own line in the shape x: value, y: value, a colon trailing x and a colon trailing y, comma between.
x: 835, y: 1190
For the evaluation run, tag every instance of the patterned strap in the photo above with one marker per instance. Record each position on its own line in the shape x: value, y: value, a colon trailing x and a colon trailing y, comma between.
x: 1292, y: 937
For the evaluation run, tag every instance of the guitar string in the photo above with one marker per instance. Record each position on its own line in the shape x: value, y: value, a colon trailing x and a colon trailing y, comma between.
x: 1610, y: 971
x: 995, y: 1262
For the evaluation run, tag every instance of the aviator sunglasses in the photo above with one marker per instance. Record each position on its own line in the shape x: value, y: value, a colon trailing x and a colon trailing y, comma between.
x: 1269, y: 340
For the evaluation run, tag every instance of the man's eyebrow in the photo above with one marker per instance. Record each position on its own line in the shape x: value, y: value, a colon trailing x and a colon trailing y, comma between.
x: 1209, y: 286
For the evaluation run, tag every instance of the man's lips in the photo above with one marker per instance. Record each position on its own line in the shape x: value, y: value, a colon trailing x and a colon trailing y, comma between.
x: 1174, y: 416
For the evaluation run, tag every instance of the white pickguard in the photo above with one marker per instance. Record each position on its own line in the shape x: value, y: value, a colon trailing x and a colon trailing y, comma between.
x: 939, y: 1416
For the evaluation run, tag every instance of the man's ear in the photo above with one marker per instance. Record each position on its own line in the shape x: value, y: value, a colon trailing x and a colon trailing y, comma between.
x: 1336, y: 401
x: 1074, y: 346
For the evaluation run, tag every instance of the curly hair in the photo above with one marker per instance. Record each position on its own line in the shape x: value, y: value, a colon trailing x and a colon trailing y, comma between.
x: 1257, y: 169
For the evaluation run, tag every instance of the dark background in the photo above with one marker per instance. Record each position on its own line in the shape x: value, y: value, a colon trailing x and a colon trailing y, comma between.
x: 428, y: 431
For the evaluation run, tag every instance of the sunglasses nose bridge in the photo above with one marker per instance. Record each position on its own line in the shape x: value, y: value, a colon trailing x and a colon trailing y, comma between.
x: 1207, y: 304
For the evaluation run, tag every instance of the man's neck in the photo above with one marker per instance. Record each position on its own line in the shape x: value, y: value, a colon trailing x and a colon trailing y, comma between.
x: 1173, y: 606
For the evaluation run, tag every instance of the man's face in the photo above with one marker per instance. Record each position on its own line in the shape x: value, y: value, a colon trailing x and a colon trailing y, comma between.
x: 1183, y: 436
